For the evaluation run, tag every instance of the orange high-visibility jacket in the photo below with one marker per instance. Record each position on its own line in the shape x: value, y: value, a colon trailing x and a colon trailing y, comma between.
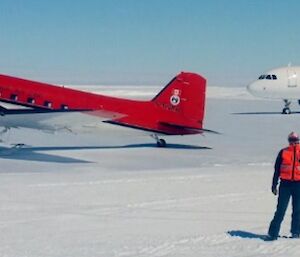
x: 290, y: 165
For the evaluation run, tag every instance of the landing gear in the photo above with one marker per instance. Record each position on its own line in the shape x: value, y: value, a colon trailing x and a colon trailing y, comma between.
x: 159, y: 141
x: 286, y: 109
x: 18, y: 146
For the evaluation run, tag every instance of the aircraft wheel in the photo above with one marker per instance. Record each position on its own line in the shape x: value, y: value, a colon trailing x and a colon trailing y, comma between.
x: 161, y: 143
x: 286, y: 111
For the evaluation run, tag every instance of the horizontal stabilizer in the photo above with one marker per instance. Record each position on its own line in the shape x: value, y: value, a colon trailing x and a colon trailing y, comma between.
x: 123, y: 124
x: 178, y: 126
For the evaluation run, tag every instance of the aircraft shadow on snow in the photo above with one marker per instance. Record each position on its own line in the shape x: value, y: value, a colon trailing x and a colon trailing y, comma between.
x: 246, y: 234
x: 36, y: 153
x: 263, y: 113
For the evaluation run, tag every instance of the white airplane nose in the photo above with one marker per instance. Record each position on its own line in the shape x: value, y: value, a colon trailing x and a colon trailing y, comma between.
x: 254, y: 88
x: 250, y: 88
x: 257, y: 89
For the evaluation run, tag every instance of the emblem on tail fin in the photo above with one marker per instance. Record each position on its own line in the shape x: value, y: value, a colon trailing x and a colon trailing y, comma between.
x: 175, y: 98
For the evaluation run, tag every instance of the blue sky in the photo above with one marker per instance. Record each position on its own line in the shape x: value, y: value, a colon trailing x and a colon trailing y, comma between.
x: 230, y: 42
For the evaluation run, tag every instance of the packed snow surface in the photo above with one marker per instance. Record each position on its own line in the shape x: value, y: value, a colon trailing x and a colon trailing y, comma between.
x: 117, y: 195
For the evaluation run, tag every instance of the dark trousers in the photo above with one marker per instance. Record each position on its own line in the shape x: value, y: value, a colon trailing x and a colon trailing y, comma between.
x: 287, y: 189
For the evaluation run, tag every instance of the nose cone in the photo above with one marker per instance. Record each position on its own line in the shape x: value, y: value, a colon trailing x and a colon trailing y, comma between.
x: 255, y: 88
x: 250, y: 88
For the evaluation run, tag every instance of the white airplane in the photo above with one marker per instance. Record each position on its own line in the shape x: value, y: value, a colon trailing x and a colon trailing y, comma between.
x: 281, y: 83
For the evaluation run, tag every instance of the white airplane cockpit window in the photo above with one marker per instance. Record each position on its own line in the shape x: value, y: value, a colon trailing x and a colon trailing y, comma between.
x: 268, y: 77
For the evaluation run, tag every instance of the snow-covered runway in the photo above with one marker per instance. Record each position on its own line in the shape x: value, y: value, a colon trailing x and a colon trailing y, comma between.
x: 110, y: 195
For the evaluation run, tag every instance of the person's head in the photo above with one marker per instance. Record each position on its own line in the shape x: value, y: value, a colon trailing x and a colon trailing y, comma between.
x: 293, y: 138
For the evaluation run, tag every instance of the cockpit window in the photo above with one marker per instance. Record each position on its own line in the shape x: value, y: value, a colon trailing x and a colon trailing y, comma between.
x: 268, y: 76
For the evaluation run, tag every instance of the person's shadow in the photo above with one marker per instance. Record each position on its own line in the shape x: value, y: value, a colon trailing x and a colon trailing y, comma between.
x: 246, y: 234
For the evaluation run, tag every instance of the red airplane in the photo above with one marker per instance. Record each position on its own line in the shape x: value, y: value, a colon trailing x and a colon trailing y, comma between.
x: 177, y: 110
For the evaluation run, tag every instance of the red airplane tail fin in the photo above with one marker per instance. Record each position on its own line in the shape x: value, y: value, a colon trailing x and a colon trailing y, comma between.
x: 183, y: 101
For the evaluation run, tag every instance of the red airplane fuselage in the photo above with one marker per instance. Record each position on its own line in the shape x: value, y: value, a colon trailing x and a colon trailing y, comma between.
x: 177, y: 110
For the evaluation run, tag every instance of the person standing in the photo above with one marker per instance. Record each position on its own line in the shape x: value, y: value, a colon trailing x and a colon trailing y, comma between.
x: 287, y: 168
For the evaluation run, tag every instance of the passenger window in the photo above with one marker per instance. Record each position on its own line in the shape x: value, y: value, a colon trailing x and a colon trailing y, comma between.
x: 48, y: 104
x: 64, y: 107
x: 268, y: 77
x: 274, y: 77
x: 14, y: 97
x: 30, y: 100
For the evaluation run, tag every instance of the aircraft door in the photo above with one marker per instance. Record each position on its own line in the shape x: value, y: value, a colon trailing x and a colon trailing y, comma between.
x: 292, y: 78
